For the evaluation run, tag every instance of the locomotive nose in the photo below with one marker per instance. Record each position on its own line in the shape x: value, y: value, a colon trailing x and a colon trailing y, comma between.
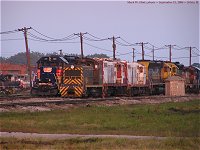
x: 71, y: 91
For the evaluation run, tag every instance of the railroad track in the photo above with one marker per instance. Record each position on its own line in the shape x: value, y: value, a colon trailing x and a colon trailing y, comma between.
x: 15, y: 96
x: 55, y: 102
x: 43, y: 101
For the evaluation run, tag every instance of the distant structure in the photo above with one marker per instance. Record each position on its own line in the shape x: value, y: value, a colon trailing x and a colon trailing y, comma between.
x: 6, y: 68
x: 174, y: 86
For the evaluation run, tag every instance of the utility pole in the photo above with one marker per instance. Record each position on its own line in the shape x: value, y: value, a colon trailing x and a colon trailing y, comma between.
x: 190, y: 59
x: 153, y: 52
x: 170, y: 51
x: 114, y: 46
x: 133, y: 54
x: 142, y: 44
x: 81, y: 41
x: 190, y: 56
x: 27, y: 52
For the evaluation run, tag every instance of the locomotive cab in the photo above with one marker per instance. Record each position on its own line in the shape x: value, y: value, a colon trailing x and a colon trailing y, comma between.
x: 49, y: 75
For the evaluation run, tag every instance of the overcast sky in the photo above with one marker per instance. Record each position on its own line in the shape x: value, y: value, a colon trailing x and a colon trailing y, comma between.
x: 159, y: 24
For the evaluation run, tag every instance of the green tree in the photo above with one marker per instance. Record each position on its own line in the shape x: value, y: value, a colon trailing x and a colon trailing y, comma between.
x: 98, y: 56
x: 20, y: 58
x: 3, y: 60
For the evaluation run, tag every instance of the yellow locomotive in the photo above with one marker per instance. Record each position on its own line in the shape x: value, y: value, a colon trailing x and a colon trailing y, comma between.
x: 157, y: 72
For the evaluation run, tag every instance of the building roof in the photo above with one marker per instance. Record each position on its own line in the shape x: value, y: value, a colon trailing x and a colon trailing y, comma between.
x: 175, y: 78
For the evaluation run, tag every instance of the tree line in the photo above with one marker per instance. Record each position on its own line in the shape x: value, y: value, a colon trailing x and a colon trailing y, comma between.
x: 20, y: 58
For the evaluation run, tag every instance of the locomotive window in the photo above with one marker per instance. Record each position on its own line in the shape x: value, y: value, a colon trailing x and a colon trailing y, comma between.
x: 173, y: 69
x: 47, y: 63
x: 140, y: 69
x: 54, y: 64
x: 72, y: 73
x: 165, y: 69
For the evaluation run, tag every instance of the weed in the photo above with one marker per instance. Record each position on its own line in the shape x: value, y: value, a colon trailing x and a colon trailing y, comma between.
x: 168, y: 119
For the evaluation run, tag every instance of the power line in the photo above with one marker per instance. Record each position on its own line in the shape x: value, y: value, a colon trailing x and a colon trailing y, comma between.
x: 12, y: 39
x: 155, y: 48
x: 36, y: 37
x: 98, y: 47
x: 195, y: 53
x: 89, y: 39
x: 148, y: 48
x: 40, y: 37
x: 130, y: 44
x: 121, y: 44
x: 144, y: 54
x: 97, y: 37
x: 184, y: 57
x: 161, y: 48
x: 94, y: 36
x: 179, y: 48
x: 196, y: 48
x: 124, y: 53
x: 43, y: 34
x: 161, y: 57
x: 9, y: 32
x: 149, y: 53
x: 49, y: 41
x: 62, y: 39
x: 56, y: 39
x: 152, y: 45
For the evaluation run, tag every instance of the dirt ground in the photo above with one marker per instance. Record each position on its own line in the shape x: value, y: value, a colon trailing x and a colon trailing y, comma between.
x: 68, y: 136
x: 117, y: 101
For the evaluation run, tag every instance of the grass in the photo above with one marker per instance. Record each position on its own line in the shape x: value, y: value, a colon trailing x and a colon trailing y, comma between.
x: 168, y: 119
x: 99, y: 143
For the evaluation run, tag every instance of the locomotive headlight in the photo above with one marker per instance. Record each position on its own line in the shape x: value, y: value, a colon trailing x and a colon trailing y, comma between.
x: 72, y: 66
x: 96, y: 66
